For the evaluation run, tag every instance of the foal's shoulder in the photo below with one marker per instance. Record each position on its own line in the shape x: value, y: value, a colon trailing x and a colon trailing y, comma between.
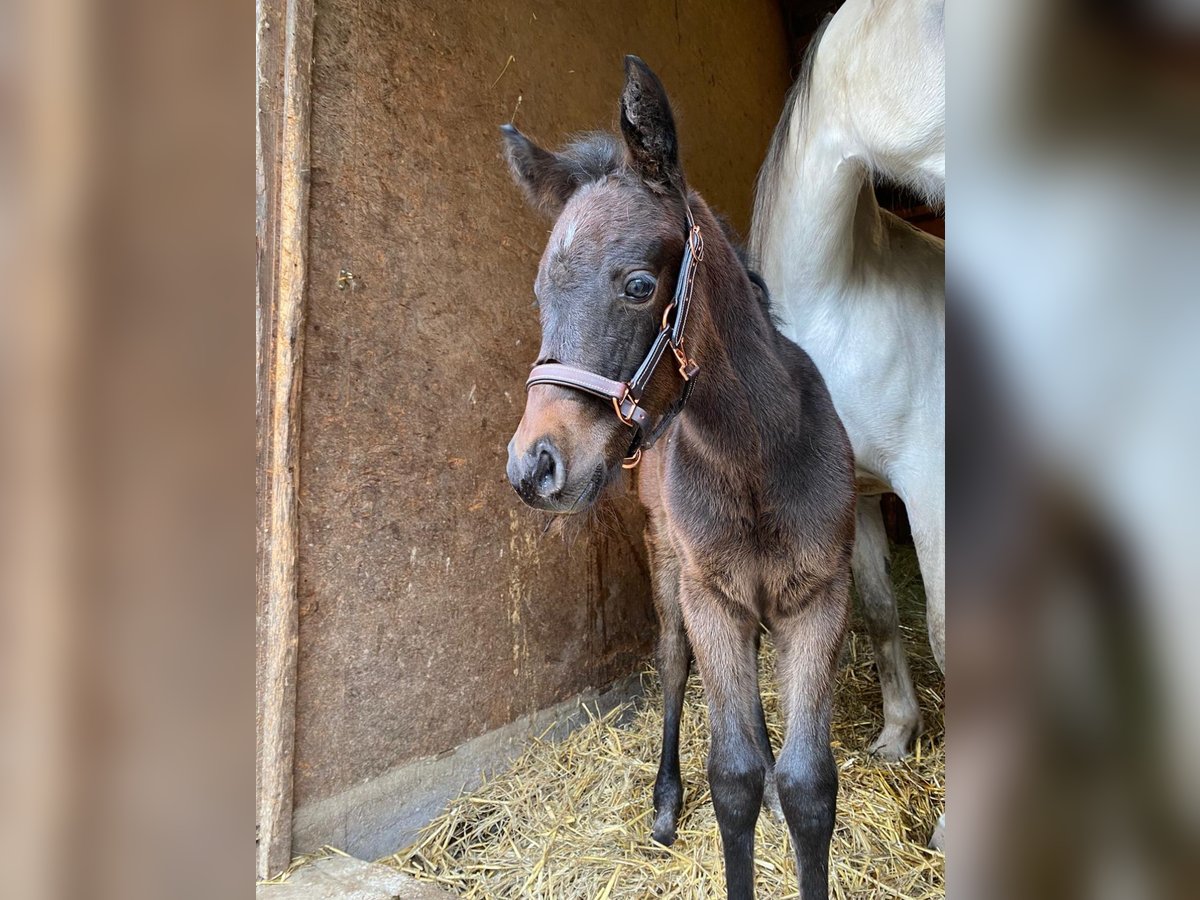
x: 806, y: 377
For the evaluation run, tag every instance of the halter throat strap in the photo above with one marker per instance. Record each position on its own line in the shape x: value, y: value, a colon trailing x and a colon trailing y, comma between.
x: 626, y: 396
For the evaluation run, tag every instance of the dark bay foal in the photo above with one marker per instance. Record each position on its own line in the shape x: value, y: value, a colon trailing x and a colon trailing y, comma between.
x: 654, y: 331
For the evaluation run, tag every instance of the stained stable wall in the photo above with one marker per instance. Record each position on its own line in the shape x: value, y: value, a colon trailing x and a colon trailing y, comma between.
x: 432, y: 609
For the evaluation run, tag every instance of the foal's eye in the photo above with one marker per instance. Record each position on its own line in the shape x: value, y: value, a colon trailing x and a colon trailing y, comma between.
x: 639, y: 286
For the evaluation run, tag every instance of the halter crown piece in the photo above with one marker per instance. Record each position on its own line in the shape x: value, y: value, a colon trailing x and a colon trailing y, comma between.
x: 627, y: 395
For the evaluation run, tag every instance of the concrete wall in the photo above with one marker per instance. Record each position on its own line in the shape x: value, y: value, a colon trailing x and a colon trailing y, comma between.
x: 432, y: 608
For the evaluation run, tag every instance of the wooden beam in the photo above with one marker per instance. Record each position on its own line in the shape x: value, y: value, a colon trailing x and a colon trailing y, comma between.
x: 283, y: 98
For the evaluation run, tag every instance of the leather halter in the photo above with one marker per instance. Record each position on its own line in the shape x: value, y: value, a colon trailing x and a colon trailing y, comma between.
x: 627, y: 395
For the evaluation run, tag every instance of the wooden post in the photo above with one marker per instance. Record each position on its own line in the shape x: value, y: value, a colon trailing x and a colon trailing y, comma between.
x: 283, y: 98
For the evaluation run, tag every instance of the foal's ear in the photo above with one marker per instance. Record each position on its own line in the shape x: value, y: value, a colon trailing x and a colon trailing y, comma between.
x: 649, y: 127
x: 547, y: 179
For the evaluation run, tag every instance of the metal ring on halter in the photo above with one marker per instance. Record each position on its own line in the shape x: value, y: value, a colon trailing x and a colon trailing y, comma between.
x: 667, y: 312
x: 617, y: 408
x: 631, y: 461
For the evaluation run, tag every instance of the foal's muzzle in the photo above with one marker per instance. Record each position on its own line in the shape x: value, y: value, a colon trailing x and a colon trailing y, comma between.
x: 538, y: 474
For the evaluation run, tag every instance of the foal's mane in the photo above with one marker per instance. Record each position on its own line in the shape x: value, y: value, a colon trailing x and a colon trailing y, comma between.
x: 742, y: 252
x: 594, y: 156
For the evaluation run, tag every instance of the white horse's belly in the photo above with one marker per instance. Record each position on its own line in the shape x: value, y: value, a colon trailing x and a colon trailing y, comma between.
x: 882, y: 355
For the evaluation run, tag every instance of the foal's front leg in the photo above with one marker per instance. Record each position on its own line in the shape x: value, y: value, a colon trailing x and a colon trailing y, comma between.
x: 723, y: 632
x: 808, y: 628
x: 674, y: 658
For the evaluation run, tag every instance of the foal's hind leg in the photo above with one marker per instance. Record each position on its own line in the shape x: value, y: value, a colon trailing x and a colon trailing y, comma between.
x: 901, y: 713
x: 723, y: 634
x: 673, y: 657
x: 808, y: 631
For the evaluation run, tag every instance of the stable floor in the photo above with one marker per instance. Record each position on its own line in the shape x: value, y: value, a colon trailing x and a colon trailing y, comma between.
x: 572, y: 819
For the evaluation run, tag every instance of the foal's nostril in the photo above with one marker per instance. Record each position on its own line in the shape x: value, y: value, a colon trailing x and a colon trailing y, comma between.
x: 547, y: 475
x: 544, y: 467
x: 538, y: 473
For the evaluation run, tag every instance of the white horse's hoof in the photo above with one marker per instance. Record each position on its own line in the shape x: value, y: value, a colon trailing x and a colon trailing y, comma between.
x: 938, y: 840
x: 895, y: 742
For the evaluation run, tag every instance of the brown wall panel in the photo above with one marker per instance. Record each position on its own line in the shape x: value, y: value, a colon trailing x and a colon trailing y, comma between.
x: 432, y: 608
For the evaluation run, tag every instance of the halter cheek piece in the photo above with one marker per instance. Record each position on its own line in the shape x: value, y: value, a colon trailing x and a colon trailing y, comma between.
x: 626, y: 395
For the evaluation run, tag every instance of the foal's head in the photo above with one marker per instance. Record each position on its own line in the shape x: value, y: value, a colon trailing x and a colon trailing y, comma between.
x: 605, y: 281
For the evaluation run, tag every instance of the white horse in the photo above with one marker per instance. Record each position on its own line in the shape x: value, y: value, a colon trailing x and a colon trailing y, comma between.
x: 864, y: 292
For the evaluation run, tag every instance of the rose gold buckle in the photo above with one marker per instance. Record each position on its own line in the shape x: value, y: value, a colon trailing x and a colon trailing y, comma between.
x: 617, y: 408
x: 697, y: 242
x: 631, y: 461
x: 686, y: 366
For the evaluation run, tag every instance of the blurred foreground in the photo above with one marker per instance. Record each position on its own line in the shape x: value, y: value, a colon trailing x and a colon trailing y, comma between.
x: 1074, y: 275
x: 125, y: 551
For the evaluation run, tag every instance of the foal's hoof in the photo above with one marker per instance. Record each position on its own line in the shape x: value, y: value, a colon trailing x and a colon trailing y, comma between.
x: 938, y: 840
x: 664, y: 828
x: 664, y: 835
x: 771, y: 798
x: 668, y: 803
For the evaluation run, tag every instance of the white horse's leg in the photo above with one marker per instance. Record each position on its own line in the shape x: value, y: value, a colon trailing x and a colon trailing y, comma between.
x: 901, y: 714
x: 927, y: 515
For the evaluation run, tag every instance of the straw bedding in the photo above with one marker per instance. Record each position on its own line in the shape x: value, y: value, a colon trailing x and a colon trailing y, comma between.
x: 572, y: 819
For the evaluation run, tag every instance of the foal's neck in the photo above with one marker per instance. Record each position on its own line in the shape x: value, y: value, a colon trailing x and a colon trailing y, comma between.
x: 743, y: 384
